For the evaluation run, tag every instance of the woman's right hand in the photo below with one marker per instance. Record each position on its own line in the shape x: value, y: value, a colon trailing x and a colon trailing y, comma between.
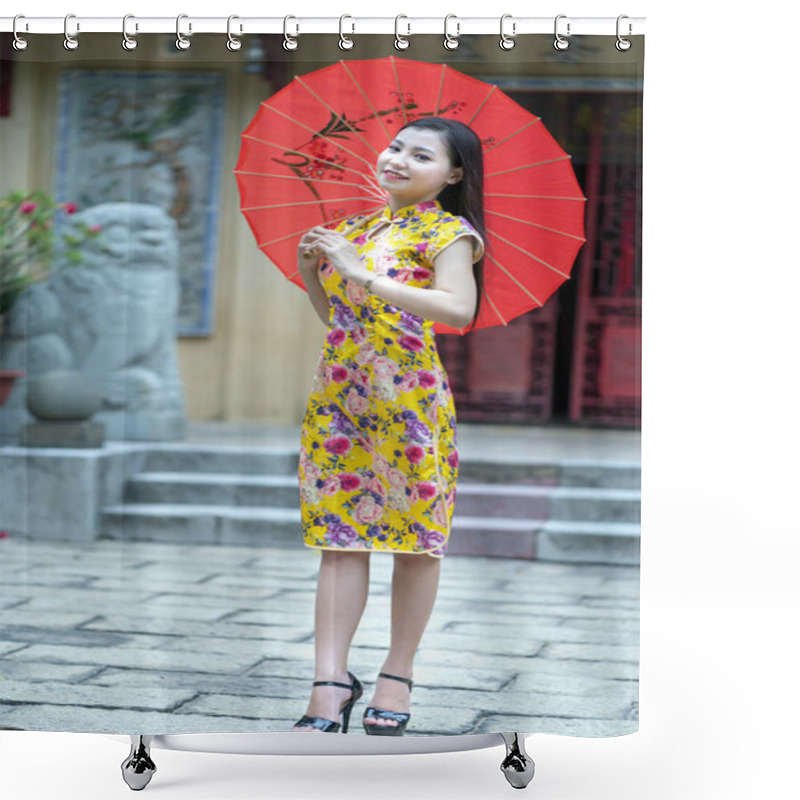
x: 307, y: 255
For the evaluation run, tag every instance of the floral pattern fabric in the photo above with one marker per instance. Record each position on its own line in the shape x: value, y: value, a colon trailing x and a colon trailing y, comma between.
x: 378, y: 454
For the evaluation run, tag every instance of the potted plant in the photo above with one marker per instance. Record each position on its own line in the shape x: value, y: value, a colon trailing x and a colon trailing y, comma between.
x: 33, y: 239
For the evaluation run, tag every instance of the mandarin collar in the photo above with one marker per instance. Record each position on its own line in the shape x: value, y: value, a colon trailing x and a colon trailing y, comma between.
x: 410, y: 211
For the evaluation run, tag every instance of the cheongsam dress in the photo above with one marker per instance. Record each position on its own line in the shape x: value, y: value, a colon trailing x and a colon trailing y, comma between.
x: 378, y: 454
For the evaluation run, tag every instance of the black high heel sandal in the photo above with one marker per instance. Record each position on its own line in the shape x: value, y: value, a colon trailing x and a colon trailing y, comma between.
x: 328, y: 725
x: 373, y: 729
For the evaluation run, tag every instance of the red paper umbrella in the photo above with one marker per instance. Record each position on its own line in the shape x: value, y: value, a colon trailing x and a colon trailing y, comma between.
x: 308, y: 158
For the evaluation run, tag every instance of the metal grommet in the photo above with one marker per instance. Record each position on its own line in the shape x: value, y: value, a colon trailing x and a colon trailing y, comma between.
x: 401, y: 42
x: 288, y: 42
x: 344, y: 42
x: 623, y: 44
x: 182, y: 43
x: 129, y: 42
x: 506, y: 41
x: 70, y: 42
x: 233, y: 44
x: 451, y: 41
x: 560, y: 42
x: 19, y: 43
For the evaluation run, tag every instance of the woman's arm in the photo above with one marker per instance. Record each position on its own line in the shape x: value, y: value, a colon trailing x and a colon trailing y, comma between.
x: 451, y: 301
x: 308, y: 267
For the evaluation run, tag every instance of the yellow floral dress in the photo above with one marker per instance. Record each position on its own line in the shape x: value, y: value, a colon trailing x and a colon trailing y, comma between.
x: 378, y: 452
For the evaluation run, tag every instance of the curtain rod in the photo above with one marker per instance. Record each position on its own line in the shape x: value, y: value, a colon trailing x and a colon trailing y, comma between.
x: 347, y: 25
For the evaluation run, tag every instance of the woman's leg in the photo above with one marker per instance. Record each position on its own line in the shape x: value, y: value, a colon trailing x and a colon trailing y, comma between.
x: 342, y: 589
x: 415, y: 581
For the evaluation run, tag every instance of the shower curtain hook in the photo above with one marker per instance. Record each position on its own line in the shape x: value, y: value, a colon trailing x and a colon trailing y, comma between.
x: 344, y: 42
x: 507, y: 42
x: 19, y: 43
x: 560, y: 42
x: 70, y: 42
x: 234, y: 44
x: 288, y: 42
x: 129, y: 42
x: 623, y: 44
x: 182, y: 43
x: 401, y: 42
x: 451, y: 40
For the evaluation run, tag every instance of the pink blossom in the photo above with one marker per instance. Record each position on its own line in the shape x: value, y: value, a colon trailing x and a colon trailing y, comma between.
x: 426, y: 490
x: 414, y: 453
x: 330, y: 486
x: 28, y: 208
x: 349, y: 481
x: 95, y: 228
x: 336, y: 336
x: 356, y: 404
x: 367, y: 511
x: 337, y: 445
x: 452, y: 459
x: 426, y: 378
x: 339, y: 373
x: 410, y: 342
x: 70, y: 208
x: 421, y: 274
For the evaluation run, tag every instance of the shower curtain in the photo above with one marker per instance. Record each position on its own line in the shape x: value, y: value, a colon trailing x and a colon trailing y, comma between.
x: 159, y: 365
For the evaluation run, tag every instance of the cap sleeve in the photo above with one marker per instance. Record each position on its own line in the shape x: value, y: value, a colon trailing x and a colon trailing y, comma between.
x: 450, y: 229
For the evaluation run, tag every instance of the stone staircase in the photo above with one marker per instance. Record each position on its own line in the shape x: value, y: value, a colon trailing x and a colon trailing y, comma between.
x: 564, y: 511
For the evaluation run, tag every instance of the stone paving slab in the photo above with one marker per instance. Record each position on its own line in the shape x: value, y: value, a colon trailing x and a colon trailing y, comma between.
x: 154, y: 698
x: 557, y: 726
x: 196, y: 625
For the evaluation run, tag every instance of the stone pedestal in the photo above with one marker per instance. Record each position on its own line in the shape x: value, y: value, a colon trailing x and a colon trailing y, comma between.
x: 63, y: 434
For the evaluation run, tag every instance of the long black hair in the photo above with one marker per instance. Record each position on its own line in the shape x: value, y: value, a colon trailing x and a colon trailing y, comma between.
x: 465, y: 198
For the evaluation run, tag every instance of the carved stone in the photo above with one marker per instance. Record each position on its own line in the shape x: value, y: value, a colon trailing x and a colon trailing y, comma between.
x: 113, y: 318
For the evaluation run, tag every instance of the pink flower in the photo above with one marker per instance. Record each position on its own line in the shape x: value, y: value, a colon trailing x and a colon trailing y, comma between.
x: 3, y: 535
x: 337, y: 445
x: 410, y: 342
x: 95, y: 228
x: 330, y: 486
x: 426, y: 379
x: 421, y: 274
x: 414, y: 453
x: 70, y: 208
x: 339, y: 373
x: 426, y: 490
x: 452, y: 459
x: 356, y: 404
x: 349, y: 481
x: 336, y: 336
x: 28, y: 208
x: 367, y: 511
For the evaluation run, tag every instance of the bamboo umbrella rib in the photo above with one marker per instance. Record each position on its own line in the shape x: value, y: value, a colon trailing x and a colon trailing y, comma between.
x: 536, y: 225
x: 483, y: 103
x: 334, y: 111
x: 496, y: 309
x: 516, y: 280
x: 316, y: 133
x: 531, y: 255
x: 305, y: 203
x: 441, y: 89
x: 535, y: 196
x: 512, y: 135
x: 288, y: 149
x: 393, y: 61
x: 529, y: 166
x: 364, y: 95
x: 379, y: 195
x: 369, y: 213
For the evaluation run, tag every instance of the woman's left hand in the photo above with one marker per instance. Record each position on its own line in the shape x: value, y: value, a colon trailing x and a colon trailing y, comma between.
x: 341, y: 253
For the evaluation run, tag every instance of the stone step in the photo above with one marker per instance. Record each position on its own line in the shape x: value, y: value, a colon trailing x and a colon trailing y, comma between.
x: 171, y: 457
x: 472, y: 498
x: 588, y: 542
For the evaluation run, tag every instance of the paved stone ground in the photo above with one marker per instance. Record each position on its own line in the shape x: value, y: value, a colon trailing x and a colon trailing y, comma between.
x: 134, y: 637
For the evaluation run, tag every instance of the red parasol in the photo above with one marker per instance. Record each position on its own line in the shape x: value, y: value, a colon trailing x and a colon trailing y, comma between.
x: 308, y: 158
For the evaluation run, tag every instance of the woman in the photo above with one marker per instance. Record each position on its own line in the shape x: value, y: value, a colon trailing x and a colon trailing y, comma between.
x: 378, y: 460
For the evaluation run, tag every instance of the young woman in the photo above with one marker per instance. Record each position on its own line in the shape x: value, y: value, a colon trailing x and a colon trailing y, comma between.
x: 378, y: 458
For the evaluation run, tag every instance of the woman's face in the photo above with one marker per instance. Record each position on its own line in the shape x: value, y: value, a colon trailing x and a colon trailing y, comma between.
x: 415, y: 167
